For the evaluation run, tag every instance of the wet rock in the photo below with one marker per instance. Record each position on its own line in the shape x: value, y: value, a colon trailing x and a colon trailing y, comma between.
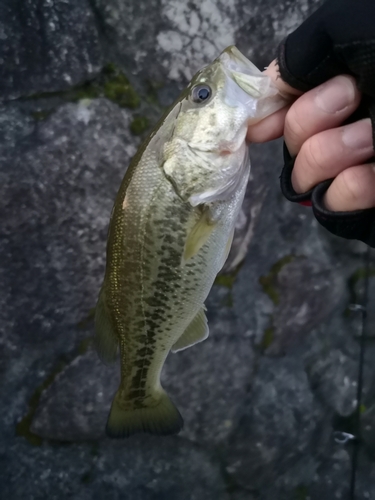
x: 272, y: 448
x: 46, y: 46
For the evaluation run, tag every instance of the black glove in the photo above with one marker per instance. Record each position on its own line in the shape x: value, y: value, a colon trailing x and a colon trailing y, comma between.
x: 338, y: 38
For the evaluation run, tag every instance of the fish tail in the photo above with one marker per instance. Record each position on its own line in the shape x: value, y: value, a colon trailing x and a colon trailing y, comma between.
x: 161, y: 419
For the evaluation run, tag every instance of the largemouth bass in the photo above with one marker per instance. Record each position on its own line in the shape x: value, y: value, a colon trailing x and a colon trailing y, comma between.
x: 170, y: 233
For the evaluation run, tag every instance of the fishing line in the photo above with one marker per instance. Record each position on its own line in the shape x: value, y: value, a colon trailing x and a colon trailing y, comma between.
x: 362, y: 343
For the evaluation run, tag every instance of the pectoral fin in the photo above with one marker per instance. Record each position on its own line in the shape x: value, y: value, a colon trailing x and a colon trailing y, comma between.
x: 194, y: 333
x: 106, y: 341
x: 227, y: 248
x: 199, y: 235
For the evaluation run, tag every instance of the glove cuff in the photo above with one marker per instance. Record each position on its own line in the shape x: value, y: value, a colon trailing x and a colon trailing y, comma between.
x: 358, y: 224
x: 286, y: 181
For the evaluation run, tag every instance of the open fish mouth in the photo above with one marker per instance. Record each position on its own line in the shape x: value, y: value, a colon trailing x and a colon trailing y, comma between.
x: 246, y: 75
x: 235, y: 60
x: 247, y: 85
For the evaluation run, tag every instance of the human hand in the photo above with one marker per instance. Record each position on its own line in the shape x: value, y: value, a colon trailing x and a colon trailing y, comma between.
x: 324, y: 148
x: 325, y: 160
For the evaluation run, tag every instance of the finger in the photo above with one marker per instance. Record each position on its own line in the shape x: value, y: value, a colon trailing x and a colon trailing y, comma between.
x: 321, y: 108
x: 353, y: 189
x: 269, y: 128
x: 328, y: 153
x: 272, y: 126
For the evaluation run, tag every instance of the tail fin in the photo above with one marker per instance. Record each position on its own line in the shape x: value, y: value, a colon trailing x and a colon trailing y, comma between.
x: 162, y: 419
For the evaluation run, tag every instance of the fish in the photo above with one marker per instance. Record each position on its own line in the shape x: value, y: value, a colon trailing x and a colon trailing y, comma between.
x: 170, y: 233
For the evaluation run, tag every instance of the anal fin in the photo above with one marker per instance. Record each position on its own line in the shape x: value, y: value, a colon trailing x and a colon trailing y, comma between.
x: 106, y: 341
x: 196, y: 332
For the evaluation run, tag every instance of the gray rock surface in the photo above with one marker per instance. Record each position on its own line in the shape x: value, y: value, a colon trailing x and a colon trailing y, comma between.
x: 368, y: 429
x: 296, y: 314
x: 46, y: 46
x: 74, y: 408
x: 172, y: 39
x: 61, y: 173
x: 265, y: 395
x: 333, y: 377
x: 140, y: 470
x: 280, y: 422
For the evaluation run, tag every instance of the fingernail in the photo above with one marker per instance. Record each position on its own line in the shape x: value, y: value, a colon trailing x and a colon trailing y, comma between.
x: 335, y: 95
x: 358, y: 135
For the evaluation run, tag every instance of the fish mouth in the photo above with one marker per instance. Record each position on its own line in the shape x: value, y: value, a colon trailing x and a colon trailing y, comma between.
x: 235, y: 60
x: 245, y: 74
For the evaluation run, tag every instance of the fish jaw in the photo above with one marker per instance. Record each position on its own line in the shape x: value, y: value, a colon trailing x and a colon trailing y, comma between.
x: 233, y: 59
x: 249, y: 86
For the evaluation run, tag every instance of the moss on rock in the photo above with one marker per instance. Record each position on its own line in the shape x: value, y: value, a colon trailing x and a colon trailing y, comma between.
x: 119, y: 90
x: 268, y: 282
x: 139, y: 124
x: 268, y: 337
x: 226, y: 280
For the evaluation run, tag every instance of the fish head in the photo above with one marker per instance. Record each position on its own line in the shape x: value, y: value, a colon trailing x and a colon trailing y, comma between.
x: 206, y: 157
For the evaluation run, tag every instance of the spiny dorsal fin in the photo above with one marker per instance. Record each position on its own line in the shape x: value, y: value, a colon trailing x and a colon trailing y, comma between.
x: 196, y: 332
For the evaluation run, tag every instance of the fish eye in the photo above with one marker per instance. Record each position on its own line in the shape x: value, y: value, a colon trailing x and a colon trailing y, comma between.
x: 201, y: 93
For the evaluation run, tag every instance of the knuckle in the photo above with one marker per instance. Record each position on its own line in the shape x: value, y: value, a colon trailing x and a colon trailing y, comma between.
x: 312, y: 154
x: 295, y: 129
x: 353, y: 184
